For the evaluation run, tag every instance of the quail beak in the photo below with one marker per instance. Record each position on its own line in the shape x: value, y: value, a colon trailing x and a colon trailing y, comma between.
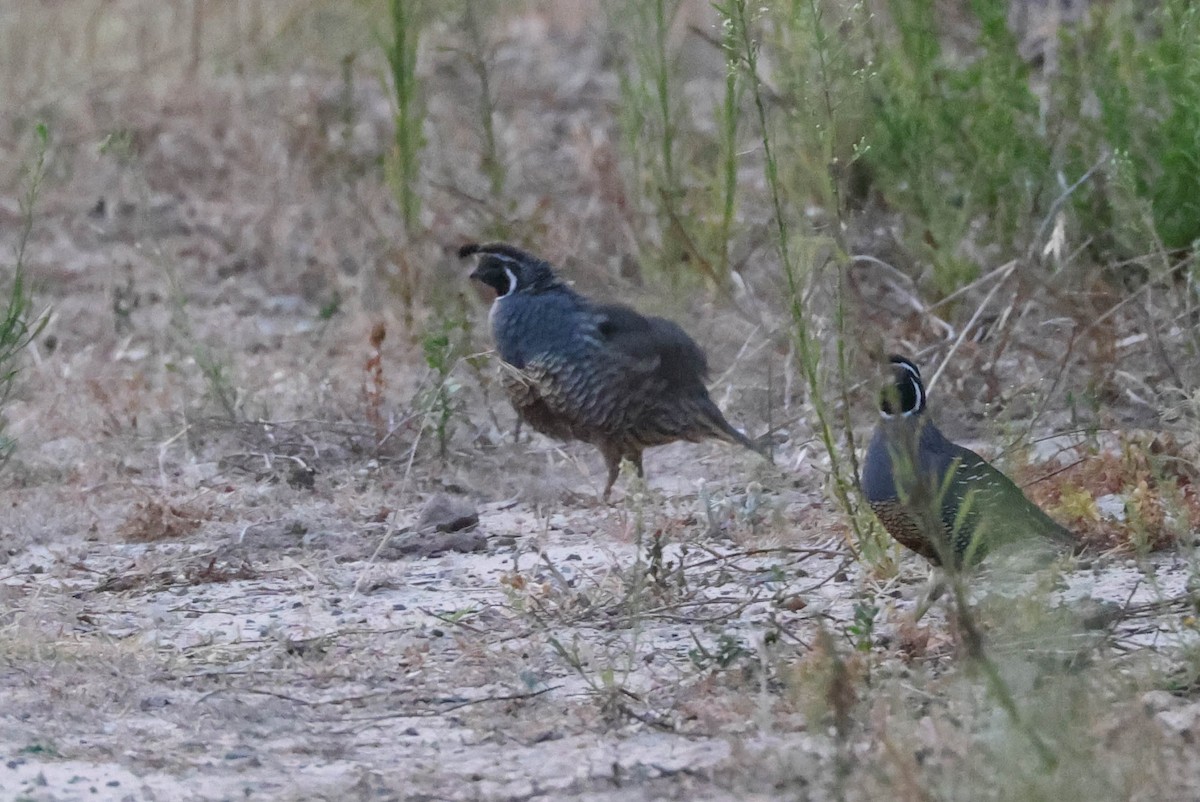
x: 889, y: 399
x: 478, y: 275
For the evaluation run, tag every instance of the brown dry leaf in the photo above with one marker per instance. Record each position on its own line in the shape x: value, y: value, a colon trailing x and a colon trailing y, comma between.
x: 155, y: 520
x: 794, y: 603
x: 912, y: 640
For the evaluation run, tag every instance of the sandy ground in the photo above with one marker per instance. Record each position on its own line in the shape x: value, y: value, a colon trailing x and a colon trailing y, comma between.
x: 285, y: 659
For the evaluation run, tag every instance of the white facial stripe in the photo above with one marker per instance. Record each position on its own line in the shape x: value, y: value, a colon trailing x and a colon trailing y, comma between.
x: 512, y: 277
x: 502, y: 257
x: 914, y: 379
x: 512, y: 283
x: 911, y: 369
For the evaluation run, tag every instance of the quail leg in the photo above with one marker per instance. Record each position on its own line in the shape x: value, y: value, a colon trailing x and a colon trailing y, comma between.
x: 934, y: 588
x: 612, y: 459
x: 634, y: 458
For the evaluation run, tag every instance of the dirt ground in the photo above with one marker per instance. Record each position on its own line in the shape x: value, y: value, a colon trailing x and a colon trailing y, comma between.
x: 213, y: 580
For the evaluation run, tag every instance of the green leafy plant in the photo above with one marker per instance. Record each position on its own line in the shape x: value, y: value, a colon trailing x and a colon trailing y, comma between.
x: 492, y: 163
x: 822, y: 78
x: 693, y: 206
x: 443, y: 346
x: 862, y: 631
x: 727, y: 651
x: 18, y: 327
x: 215, y: 367
x: 956, y: 140
x: 725, y: 185
x: 1136, y: 76
x: 649, y: 114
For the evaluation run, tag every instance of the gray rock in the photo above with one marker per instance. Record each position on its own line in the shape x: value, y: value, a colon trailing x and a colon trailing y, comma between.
x: 445, y: 513
x: 1111, y: 506
x: 1159, y: 701
x: 432, y: 543
x: 1184, y: 722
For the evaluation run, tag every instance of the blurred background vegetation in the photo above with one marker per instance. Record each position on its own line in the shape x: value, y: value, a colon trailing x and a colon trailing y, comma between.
x: 979, y: 127
x: 971, y: 182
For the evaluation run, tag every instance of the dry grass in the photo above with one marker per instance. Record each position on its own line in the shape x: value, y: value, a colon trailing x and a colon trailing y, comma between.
x: 215, y: 440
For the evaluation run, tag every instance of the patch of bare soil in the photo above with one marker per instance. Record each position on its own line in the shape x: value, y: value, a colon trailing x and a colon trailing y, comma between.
x: 215, y: 578
x: 564, y: 661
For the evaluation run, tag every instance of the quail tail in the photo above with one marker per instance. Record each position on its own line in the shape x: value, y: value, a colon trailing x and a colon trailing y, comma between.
x: 712, y: 423
x: 1061, y: 536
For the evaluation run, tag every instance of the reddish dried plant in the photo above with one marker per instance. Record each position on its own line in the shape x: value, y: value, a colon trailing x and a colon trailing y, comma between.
x: 374, y: 383
x: 1156, y: 481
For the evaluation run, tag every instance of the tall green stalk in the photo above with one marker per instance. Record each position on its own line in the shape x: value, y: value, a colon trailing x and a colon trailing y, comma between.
x: 662, y: 91
x: 650, y: 124
x: 401, y: 51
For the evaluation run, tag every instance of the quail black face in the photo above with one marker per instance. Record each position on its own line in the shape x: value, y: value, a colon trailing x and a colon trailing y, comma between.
x: 507, y: 269
x: 497, y: 270
x: 497, y: 275
x: 906, y: 395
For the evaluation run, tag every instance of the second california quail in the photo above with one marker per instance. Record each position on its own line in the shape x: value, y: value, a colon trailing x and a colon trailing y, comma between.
x: 604, y: 374
x: 939, y: 499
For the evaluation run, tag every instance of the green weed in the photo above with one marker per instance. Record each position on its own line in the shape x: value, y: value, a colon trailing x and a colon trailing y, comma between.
x: 649, y: 116
x: 1131, y: 85
x: 727, y: 651
x: 955, y: 141
x: 443, y: 346
x: 492, y: 163
x: 400, y: 48
x: 18, y: 326
x: 216, y: 369
x: 862, y: 630
x: 692, y: 206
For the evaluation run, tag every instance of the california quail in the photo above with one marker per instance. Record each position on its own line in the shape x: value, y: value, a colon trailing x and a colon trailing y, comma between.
x: 942, y: 500
x: 604, y: 374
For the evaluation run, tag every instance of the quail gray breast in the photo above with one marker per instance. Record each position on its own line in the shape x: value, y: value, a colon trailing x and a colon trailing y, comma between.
x: 575, y: 369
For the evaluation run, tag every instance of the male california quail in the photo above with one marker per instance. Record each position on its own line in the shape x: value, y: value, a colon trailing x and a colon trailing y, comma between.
x: 604, y: 374
x: 942, y: 500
